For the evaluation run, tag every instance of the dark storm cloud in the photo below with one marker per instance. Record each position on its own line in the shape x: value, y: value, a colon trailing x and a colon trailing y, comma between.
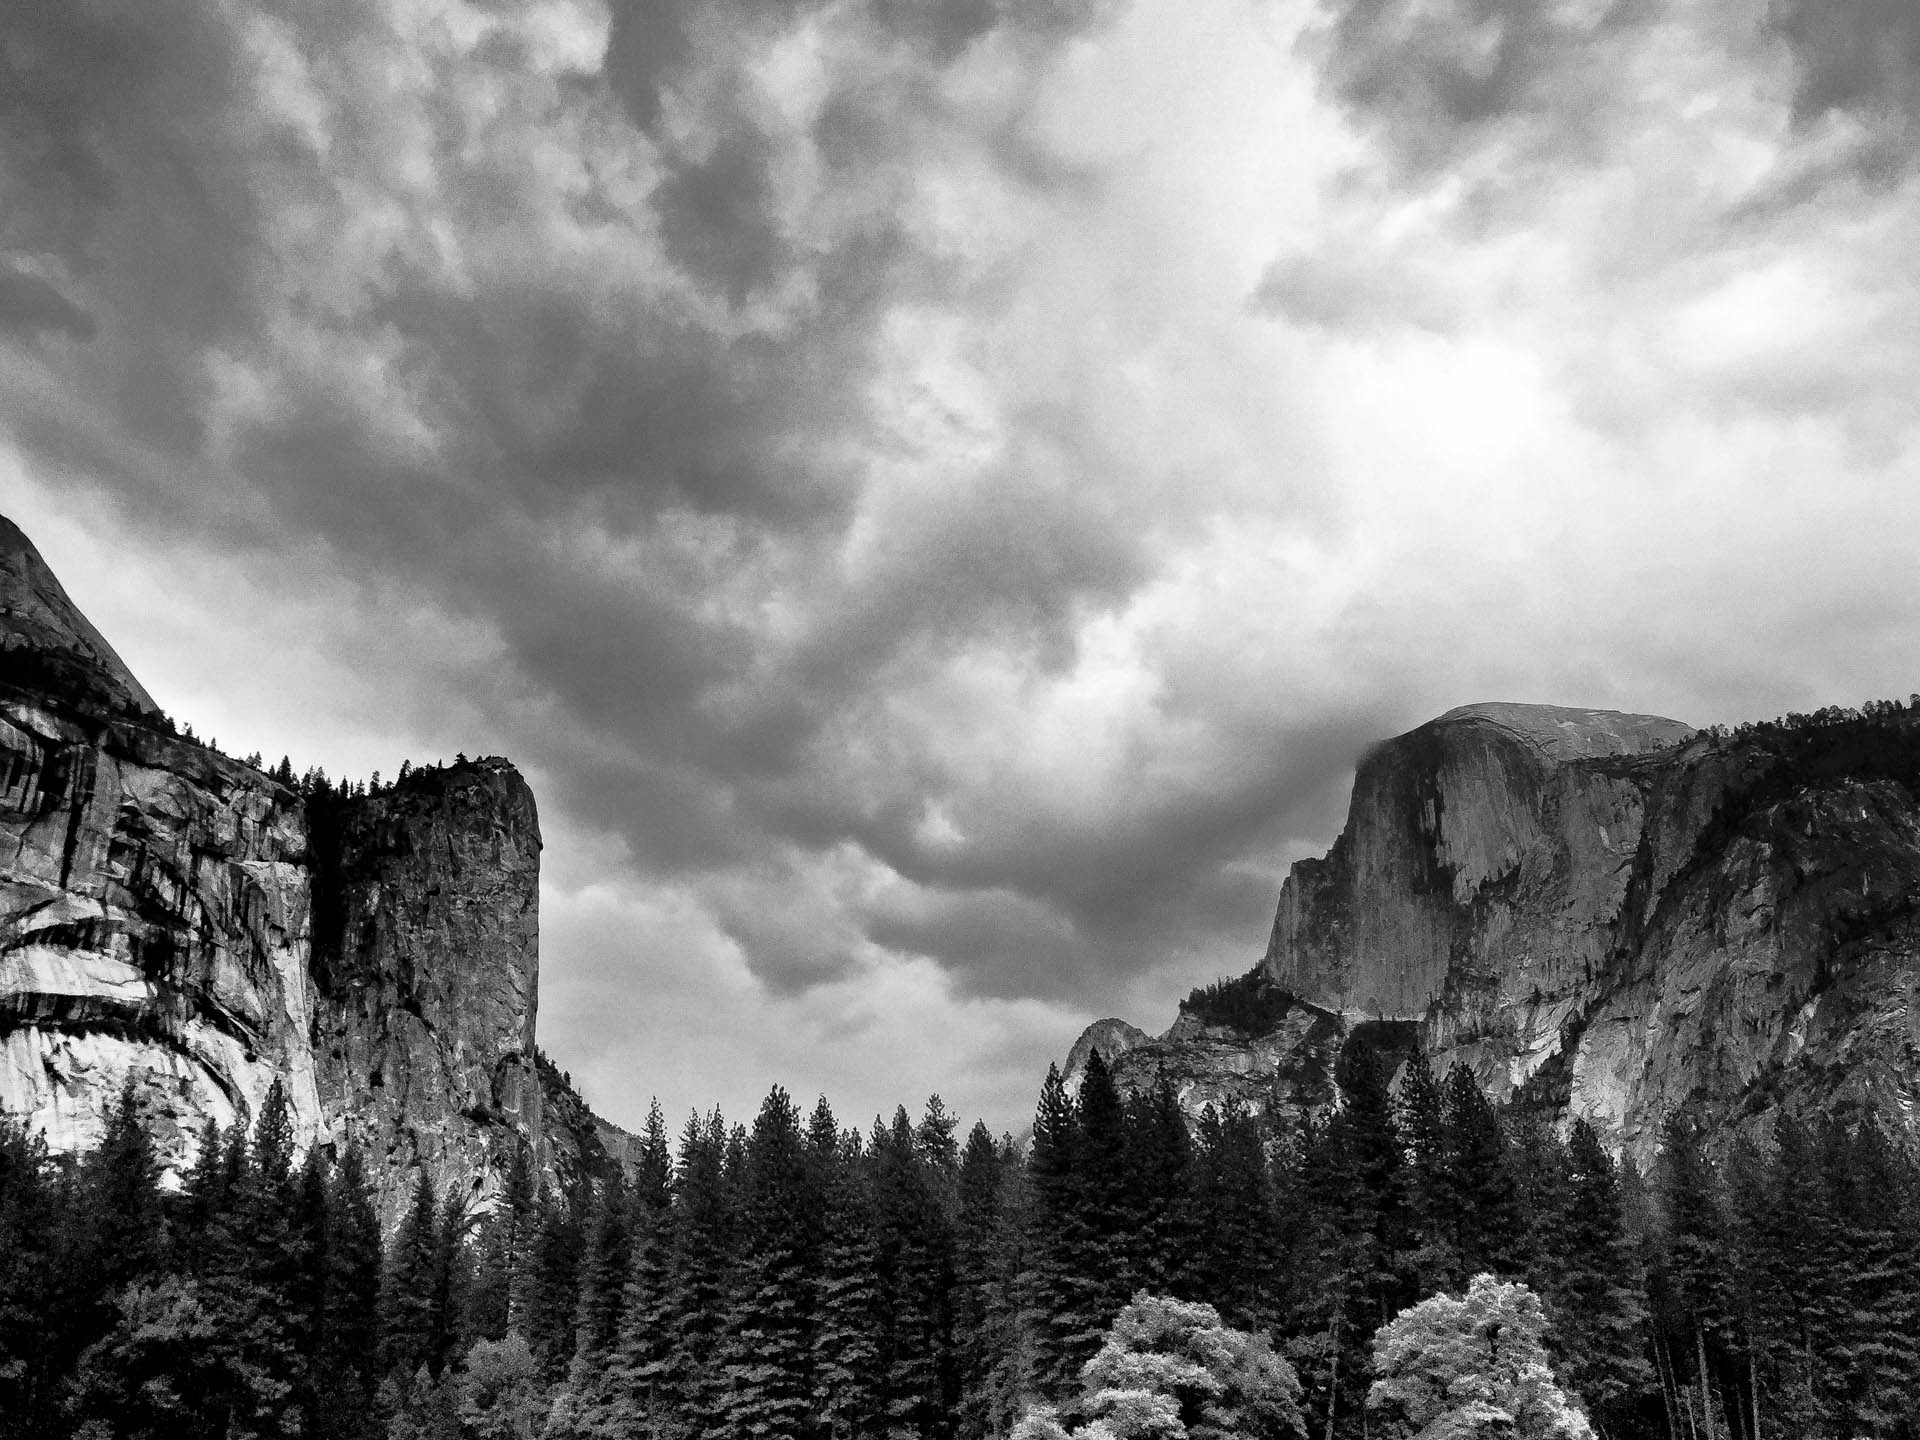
x: 31, y: 306
x: 1861, y: 57
x: 1444, y: 80
x: 324, y: 309
x: 1442, y: 77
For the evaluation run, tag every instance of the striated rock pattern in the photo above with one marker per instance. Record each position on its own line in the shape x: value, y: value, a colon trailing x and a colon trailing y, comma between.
x: 1615, y: 917
x: 1609, y: 916
x: 153, y: 923
x: 176, y: 918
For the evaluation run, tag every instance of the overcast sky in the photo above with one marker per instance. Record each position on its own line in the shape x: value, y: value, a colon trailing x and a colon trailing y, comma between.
x: 935, y: 494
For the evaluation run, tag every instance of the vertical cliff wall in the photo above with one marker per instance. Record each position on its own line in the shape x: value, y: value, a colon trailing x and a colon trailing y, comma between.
x: 1623, y: 917
x: 1607, y: 915
x: 177, y: 919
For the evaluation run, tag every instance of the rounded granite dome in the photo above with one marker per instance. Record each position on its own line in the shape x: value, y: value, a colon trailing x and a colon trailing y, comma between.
x: 1564, y: 733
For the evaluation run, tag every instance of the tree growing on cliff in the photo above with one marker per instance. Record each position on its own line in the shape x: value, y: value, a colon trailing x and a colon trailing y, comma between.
x: 1451, y: 1368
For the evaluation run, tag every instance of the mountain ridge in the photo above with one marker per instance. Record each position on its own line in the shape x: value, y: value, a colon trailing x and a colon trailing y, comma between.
x: 1614, y: 917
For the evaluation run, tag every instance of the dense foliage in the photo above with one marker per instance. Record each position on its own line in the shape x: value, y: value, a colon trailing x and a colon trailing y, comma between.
x: 1250, y: 1003
x: 802, y: 1279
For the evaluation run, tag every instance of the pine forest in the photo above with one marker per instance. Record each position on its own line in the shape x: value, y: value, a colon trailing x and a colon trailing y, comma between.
x: 803, y: 1279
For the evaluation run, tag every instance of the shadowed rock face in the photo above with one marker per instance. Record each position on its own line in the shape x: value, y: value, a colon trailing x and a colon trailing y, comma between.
x: 44, y: 637
x: 177, y: 918
x: 1446, y: 823
x: 1611, y: 916
x: 1623, y: 924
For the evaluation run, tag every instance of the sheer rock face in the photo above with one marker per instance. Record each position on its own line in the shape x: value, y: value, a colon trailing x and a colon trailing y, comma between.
x: 153, y: 922
x: 177, y: 918
x: 1598, y: 907
x: 1606, y: 915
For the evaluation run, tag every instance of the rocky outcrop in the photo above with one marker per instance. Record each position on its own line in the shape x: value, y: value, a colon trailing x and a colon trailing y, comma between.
x: 1612, y: 916
x: 180, y: 921
x: 1280, y: 1059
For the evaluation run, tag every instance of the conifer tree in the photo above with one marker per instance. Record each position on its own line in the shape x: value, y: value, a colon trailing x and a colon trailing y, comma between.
x: 765, y: 1351
x: 120, y: 1179
x: 1231, y: 1205
x: 1159, y: 1150
x: 1878, y: 1342
x: 504, y: 1268
x: 559, y: 1241
x: 1697, y: 1265
x: 411, y: 1323
x: 1099, y: 1236
x: 634, y: 1399
x: 1788, y: 1240
x: 30, y: 1260
x: 603, y: 1268
x: 846, y: 1337
x: 1354, y: 1240
x: 939, y: 1152
x: 348, y: 1342
x: 701, y: 1269
x: 982, y: 1301
x: 1598, y: 1297
x: 1426, y: 1181
x: 914, y: 1245
x: 1048, y: 1275
x: 1489, y: 1223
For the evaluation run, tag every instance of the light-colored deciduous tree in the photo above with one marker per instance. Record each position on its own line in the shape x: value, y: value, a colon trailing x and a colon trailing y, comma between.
x: 1473, y: 1366
x: 1170, y: 1370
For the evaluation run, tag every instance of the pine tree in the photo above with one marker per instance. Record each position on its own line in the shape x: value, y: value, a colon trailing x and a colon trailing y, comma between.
x: 765, y: 1351
x: 30, y: 1261
x: 915, y: 1268
x: 846, y: 1339
x: 504, y: 1269
x: 1098, y: 1236
x: 1159, y: 1150
x: 120, y: 1179
x: 701, y: 1268
x: 1426, y: 1182
x: 349, y: 1338
x: 1048, y: 1281
x: 603, y: 1269
x: 1879, y: 1350
x: 1489, y: 1223
x: 1598, y: 1297
x: 638, y: 1386
x: 1354, y: 1240
x: 1786, y: 1232
x: 1696, y: 1257
x: 981, y: 1298
x: 411, y: 1323
x: 1231, y: 1206
x: 559, y: 1243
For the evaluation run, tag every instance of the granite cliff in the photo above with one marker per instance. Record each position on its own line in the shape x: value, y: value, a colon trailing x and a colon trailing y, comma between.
x: 175, y: 918
x: 1613, y: 915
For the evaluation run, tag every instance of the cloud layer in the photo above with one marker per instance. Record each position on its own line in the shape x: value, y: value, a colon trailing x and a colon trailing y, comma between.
x: 938, y: 495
